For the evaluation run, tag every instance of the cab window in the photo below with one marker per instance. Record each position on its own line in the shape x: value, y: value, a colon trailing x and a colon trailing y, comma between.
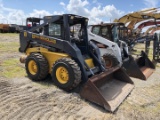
x: 55, y: 30
x: 96, y: 30
x: 104, y: 31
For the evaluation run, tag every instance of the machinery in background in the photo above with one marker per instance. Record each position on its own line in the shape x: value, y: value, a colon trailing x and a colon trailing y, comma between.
x: 4, y: 28
x: 143, y: 18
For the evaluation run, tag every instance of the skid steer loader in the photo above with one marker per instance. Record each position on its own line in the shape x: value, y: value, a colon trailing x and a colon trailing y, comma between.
x: 108, y: 37
x: 71, y: 60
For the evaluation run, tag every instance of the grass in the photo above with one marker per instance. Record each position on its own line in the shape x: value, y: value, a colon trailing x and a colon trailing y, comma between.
x: 9, y: 47
x: 12, y: 68
x: 9, y: 43
x: 9, y: 34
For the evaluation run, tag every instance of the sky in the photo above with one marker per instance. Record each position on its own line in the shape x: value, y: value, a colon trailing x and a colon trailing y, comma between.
x: 16, y: 11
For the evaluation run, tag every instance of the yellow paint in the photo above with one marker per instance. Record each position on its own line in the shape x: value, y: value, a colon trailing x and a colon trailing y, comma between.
x: 32, y: 67
x: 50, y: 56
x: 25, y: 34
x: 90, y: 62
x: 62, y: 75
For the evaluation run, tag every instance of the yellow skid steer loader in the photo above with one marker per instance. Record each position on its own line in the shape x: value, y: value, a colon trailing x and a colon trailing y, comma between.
x: 53, y: 48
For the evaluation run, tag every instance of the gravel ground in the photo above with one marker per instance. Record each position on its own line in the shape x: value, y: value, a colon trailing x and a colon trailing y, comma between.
x: 22, y: 99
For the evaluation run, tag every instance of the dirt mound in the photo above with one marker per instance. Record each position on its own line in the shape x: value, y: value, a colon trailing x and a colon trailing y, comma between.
x: 22, y: 99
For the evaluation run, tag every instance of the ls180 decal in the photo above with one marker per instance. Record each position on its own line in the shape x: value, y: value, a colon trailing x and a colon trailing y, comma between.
x: 43, y: 38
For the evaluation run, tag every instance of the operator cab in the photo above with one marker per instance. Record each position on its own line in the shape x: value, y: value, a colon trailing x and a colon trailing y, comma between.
x: 33, y: 21
x: 72, y: 29
x: 75, y: 27
x: 102, y: 30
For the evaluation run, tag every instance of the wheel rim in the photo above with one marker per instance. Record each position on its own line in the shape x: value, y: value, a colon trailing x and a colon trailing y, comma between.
x: 62, y: 75
x: 32, y: 67
x: 108, y: 63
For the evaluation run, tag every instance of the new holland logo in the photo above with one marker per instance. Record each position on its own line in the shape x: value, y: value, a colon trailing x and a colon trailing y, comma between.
x: 25, y: 34
x: 34, y: 36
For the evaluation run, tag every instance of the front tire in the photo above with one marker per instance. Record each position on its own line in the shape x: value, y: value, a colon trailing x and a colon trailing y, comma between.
x: 110, y: 60
x: 37, y: 66
x: 66, y: 74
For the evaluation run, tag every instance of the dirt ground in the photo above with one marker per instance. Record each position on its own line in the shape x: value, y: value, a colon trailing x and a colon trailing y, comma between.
x: 23, y: 99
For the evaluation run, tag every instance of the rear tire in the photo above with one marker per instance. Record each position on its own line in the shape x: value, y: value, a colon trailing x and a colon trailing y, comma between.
x: 37, y: 66
x: 110, y: 60
x: 66, y: 74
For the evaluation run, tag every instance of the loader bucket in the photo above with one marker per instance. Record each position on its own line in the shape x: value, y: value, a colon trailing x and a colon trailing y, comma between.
x: 108, y: 89
x: 140, y: 68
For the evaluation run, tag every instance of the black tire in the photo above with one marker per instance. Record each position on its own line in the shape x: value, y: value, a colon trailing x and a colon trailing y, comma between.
x: 72, y: 70
x: 110, y: 60
x: 42, y: 67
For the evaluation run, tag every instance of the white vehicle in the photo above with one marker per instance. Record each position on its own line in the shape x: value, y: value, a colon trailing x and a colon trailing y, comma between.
x: 102, y: 34
x: 114, y: 51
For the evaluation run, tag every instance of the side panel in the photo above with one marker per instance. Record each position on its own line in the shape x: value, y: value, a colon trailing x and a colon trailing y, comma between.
x: 23, y: 41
